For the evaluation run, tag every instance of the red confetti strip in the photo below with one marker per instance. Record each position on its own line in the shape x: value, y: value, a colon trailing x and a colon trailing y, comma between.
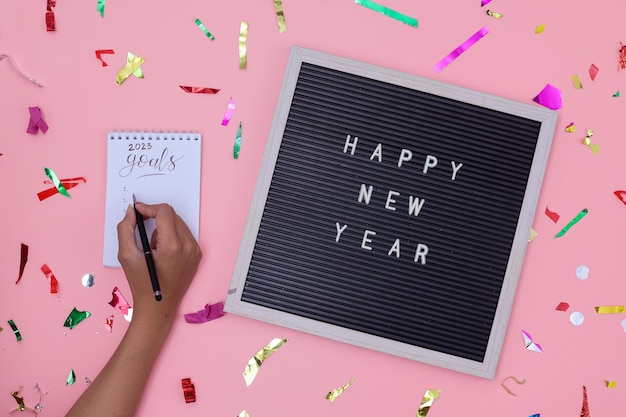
x: 100, y: 52
x: 585, y: 409
x: 109, y: 323
x: 622, y: 57
x: 118, y: 301
x: 593, y: 71
x: 621, y: 194
x: 50, y: 276
x: 562, y: 307
x: 199, y: 90
x: 50, y: 24
x: 552, y: 215
x: 68, y: 183
x: 189, y: 390
x: 23, y: 260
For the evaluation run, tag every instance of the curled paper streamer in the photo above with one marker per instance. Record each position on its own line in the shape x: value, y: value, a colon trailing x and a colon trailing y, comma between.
x: 540, y: 28
x: 549, y: 97
x: 132, y: 67
x: 622, y: 57
x: 204, y: 29
x: 56, y: 181
x: 71, y: 378
x: 36, y: 122
x: 50, y: 23
x: 332, y: 395
x: 570, y: 128
x: 51, y: 278
x: 552, y: 215
x: 610, y: 309
x: 118, y: 301
x: 280, y: 15
x: 587, y: 141
x: 530, y: 344
x: 67, y: 184
x: 16, y: 331
x: 101, y: 4
x: 610, y: 384
x: 100, y: 52
x: 494, y: 14
x: 575, y: 220
x: 255, y: 362
x: 12, y: 61
x: 210, y: 312
x: 199, y: 90
x: 576, y: 81
x: 427, y: 401
x: 243, y: 49
x: 518, y: 382
x: 562, y: 306
x: 23, y: 260
x: 237, y: 145
x: 593, y: 72
x: 229, y: 112
x: 584, y: 412
x: 621, y: 194
x: 461, y: 48
x: 388, y: 12
x: 189, y: 390
x: 75, y: 317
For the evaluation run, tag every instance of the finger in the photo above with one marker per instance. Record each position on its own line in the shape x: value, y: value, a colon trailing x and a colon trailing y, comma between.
x: 154, y: 239
x: 127, y: 244
x: 164, y: 216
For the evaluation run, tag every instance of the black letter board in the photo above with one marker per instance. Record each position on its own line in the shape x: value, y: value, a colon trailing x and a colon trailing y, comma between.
x: 392, y: 212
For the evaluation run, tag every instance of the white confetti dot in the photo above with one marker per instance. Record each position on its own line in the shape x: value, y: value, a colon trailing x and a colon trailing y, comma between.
x: 88, y: 280
x: 582, y: 272
x: 577, y: 318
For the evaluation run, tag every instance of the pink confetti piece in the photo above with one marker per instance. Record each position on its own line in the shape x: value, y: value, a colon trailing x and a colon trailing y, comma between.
x: 118, y: 301
x: 229, y: 112
x: 549, y: 97
x: 36, y: 122
x: 530, y: 344
x: 100, y: 52
x: 483, y: 3
x: 552, y: 215
x: 562, y: 306
x: 51, y: 278
x: 593, y: 72
x: 460, y: 49
x: 210, y: 312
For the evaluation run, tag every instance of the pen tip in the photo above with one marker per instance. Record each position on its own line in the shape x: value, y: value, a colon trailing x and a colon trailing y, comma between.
x: 134, y: 198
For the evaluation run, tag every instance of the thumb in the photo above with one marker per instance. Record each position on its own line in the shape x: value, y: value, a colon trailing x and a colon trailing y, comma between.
x: 127, y: 243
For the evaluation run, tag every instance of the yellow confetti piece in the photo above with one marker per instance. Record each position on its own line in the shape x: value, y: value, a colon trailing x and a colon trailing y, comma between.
x: 495, y: 15
x: 132, y: 66
x: 255, y: 362
x: 243, y: 49
x: 595, y: 148
x: 570, y: 128
x: 610, y: 309
x: 610, y: 384
x: 576, y: 81
x: 244, y: 413
x: 280, y: 16
x: 429, y: 397
x: 332, y: 395
x: 533, y: 234
x: 539, y: 29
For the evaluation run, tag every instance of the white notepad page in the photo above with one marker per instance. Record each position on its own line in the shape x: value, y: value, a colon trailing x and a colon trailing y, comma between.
x: 157, y: 168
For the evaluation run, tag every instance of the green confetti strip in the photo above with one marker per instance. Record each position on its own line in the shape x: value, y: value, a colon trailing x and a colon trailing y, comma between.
x: 575, y: 220
x: 616, y: 94
x: 17, y: 333
x: 101, y: 7
x: 237, y: 146
x: 71, y: 378
x: 205, y: 30
x: 56, y: 181
x: 75, y: 317
x: 388, y: 12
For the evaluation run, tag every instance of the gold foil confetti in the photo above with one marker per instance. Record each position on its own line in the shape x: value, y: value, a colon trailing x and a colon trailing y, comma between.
x: 518, y: 382
x: 244, y: 413
x: 280, y: 16
x: 332, y: 395
x: 576, y: 81
x: 539, y: 29
x: 570, y: 128
x: 495, y: 15
x: 255, y: 362
x: 587, y: 141
x: 243, y: 49
x: 610, y: 309
x: 610, y: 384
x: 533, y: 235
x: 20, y: 400
x: 429, y: 397
x: 132, y: 66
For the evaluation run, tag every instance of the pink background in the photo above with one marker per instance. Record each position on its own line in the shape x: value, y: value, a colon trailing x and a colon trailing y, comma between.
x: 81, y: 103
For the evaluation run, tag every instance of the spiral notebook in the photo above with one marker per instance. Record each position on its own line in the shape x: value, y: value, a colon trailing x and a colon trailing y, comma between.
x: 158, y: 167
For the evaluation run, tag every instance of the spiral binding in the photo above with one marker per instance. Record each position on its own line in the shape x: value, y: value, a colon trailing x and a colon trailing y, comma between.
x: 153, y: 135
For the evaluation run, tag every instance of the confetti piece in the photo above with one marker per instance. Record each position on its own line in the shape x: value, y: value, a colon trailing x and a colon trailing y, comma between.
x: 610, y: 384
x: 577, y: 318
x: 534, y: 415
x: 23, y: 260
x: 562, y: 307
x: 587, y: 141
x: 36, y: 122
x: 593, y: 72
x: 12, y: 61
x: 552, y: 215
x: 133, y: 65
x: 108, y: 323
x: 243, y: 48
x: 71, y: 378
x: 56, y: 181
x: 280, y: 15
x: 205, y: 30
x: 622, y: 57
x: 229, y: 112
x: 387, y: 12
x: 460, y: 49
x: 518, y: 382
x: 576, y: 81
x: 621, y: 195
x: 237, y: 145
x: 533, y: 235
x: 332, y: 395
x: 100, y: 52
x: 67, y: 183
x: 616, y: 94
x: 570, y: 128
x: 51, y: 278
x: 199, y: 90
x: 484, y: 2
x: 539, y: 29
x: 210, y: 312
x: 20, y: 400
x: 494, y: 14
x: 575, y: 220
x: 529, y: 344
x: 244, y: 413
x: 582, y: 272
x: 75, y: 317
x: 88, y: 280
x: 255, y: 362
x: 584, y: 412
x: 427, y: 401
x: 100, y: 7
x: 549, y: 97
x: 16, y: 331
x: 50, y: 23
x: 610, y: 309
x: 118, y: 301
x: 40, y: 405
x: 189, y: 390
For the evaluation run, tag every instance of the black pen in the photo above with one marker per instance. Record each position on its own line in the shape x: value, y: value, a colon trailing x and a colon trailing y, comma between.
x: 147, y: 253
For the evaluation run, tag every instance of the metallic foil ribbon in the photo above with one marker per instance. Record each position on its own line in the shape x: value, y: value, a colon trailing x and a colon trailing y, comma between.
x: 550, y: 97
x: 244, y: 413
x: 108, y: 323
x: 584, y: 412
x: 20, y: 400
x: 255, y: 362
x: 16, y: 331
x: 243, y: 48
x: 67, y: 184
x: 210, y: 312
x: 540, y: 28
x: 576, y: 81
x: 610, y: 384
x: 532, y: 235
x: 205, y: 30
x: 518, y: 382
x: 100, y: 52
x: 530, y: 344
x: 237, y: 145
x: 75, y: 317
x: 461, y: 48
x: 595, y: 148
x: 51, y: 278
x: 12, y: 61
x: 199, y: 90
x: 280, y: 15
x: 332, y: 395
x: 56, y: 181
x: 36, y: 122
x: 100, y: 7
x: 495, y: 15
x: 552, y: 215
x: 50, y: 23
x: 610, y: 309
x: 575, y: 220
x: 616, y: 94
x: 23, y: 260
x: 189, y: 390
x: 411, y: 21
x: 427, y: 401
x: 593, y: 71
x: 229, y: 112
x: 118, y: 301
x: 570, y: 128
x: 621, y: 194
x: 133, y: 65
x: 562, y: 306
x: 71, y: 378
x: 622, y: 57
